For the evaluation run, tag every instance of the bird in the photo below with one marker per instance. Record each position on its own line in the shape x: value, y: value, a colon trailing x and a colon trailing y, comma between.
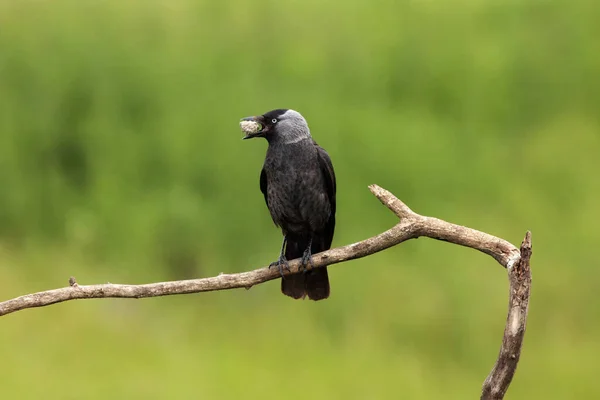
x: 298, y: 183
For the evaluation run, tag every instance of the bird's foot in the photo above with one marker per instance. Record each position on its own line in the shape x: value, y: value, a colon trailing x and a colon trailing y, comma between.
x: 281, y: 264
x: 307, y: 259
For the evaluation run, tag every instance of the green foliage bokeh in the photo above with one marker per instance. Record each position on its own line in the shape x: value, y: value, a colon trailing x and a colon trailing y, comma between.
x: 121, y: 161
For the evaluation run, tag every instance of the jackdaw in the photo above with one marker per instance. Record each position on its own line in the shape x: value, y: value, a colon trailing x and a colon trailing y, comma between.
x: 298, y: 183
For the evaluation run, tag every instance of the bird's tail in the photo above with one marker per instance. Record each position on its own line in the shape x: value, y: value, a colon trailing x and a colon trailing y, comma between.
x: 313, y: 283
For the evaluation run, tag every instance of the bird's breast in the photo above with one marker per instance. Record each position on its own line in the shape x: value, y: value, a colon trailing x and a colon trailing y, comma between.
x: 296, y: 194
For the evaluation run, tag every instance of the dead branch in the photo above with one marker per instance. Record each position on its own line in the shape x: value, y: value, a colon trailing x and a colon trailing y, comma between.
x: 410, y: 226
x: 519, y: 276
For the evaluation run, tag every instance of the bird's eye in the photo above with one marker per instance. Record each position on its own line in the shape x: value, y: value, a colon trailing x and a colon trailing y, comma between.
x: 274, y: 120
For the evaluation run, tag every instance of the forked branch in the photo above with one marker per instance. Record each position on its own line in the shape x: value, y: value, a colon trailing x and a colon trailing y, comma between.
x: 410, y: 226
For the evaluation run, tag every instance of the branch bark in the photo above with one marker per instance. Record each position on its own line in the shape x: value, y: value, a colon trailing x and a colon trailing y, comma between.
x: 410, y: 226
x: 519, y: 277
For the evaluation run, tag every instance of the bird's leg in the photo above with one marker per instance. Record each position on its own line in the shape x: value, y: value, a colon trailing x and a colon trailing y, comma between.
x: 306, y: 257
x: 282, y: 262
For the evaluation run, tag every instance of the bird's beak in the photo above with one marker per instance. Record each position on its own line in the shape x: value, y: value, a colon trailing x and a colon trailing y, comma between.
x: 252, y: 127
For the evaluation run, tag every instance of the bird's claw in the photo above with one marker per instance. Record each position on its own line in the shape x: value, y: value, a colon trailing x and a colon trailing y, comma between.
x: 281, y: 264
x: 307, y: 259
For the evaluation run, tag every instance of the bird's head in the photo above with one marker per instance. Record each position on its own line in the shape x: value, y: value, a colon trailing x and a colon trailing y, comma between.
x: 281, y: 125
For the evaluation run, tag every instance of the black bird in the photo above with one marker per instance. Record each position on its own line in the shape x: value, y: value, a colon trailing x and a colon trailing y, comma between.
x: 298, y: 183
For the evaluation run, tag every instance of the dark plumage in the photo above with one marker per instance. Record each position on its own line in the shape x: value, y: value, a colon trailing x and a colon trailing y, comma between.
x: 298, y: 183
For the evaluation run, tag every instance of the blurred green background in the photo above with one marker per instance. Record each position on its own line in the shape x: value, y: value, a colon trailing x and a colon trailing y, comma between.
x: 121, y: 161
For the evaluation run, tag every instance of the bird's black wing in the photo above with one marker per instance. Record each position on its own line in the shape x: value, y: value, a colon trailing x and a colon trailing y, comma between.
x: 263, y: 185
x: 329, y: 175
x: 315, y: 282
x: 330, y: 185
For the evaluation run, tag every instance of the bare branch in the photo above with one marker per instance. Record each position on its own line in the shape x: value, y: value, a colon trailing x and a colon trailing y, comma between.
x: 411, y: 226
x: 519, y: 276
x: 392, y: 202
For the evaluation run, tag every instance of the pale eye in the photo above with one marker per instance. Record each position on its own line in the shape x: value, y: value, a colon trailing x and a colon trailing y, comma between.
x: 274, y: 120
